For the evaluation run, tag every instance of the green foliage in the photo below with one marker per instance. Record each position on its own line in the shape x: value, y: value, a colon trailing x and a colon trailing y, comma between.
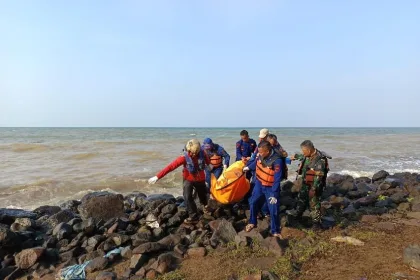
x: 382, y: 197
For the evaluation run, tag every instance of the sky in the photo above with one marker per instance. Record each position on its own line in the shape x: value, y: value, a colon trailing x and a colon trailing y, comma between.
x: 218, y: 63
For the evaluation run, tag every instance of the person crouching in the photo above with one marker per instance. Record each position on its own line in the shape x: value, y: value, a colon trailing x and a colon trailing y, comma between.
x: 269, y: 169
x: 195, y: 161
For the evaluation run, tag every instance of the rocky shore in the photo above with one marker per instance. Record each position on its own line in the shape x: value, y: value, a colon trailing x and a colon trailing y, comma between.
x: 104, y: 229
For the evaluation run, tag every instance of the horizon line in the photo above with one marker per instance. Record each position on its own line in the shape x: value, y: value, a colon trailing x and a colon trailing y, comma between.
x: 195, y: 127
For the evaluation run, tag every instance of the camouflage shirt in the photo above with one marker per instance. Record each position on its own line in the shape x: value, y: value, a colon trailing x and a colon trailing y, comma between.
x: 317, y: 163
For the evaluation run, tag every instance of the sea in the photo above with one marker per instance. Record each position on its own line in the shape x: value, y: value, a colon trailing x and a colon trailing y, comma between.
x: 48, y: 166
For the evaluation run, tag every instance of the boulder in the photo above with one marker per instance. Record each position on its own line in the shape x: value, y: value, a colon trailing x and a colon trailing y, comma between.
x: 346, y: 187
x: 47, y: 210
x: 335, y: 179
x: 94, y: 241
x: 25, y: 222
x: 69, y: 255
x: 126, y: 252
x: 171, y: 241
x: 384, y: 186
x: 18, y: 272
x: 148, y: 247
x: 403, y: 207
x: 120, y: 239
x: 28, y: 257
x: 63, y: 216
x: 137, y: 261
x: 387, y: 202
x: 365, y: 201
x: 141, y: 237
x: 166, y: 262
x: 6, y: 271
x: 151, y: 274
x: 274, y: 245
x: 7, y: 237
x: 134, y: 216
x: 8, y: 216
x: 253, y: 234
x: 106, y: 275
x: 399, y: 197
x: 394, y: 181
x: 380, y: 175
x: 89, y: 226
x: 71, y: 205
x: 165, y: 196
x: 412, y: 256
x: 94, y: 255
x: 101, y: 205
x: 224, y: 232
x: 62, y: 230
x: 349, y: 211
x: 339, y: 202
x: 242, y: 241
x: 198, y: 252
x: 328, y: 222
x: 40, y: 273
x: 97, y: 264
x: 169, y: 209
x: 362, y: 180
x: 297, y: 185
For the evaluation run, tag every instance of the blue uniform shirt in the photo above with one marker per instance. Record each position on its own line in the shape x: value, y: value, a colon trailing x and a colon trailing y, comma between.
x: 245, y: 149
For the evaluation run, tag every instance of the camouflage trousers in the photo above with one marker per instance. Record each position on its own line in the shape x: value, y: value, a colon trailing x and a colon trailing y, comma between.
x: 310, y: 198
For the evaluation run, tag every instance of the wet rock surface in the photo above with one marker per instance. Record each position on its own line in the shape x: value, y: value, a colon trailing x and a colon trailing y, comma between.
x: 149, y: 233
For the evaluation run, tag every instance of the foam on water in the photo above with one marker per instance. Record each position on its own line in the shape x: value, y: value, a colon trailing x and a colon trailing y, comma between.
x: 52, y: 165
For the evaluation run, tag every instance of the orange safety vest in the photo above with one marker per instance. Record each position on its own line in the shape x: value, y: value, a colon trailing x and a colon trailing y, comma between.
x: 216, y: 160
x: 264, y: 174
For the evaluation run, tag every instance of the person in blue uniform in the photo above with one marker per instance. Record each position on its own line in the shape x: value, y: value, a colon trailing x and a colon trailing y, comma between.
x: 268, y: 167
x: 219, y: 159
x: 245, y: 147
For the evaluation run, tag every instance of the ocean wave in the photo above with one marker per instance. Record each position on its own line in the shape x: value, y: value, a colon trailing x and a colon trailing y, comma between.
x: 127, y: 142
x: 358, y: 173
x: 355, y: 174
x: 83, y: 156
x: 151, y: 154
x: 23, y: 147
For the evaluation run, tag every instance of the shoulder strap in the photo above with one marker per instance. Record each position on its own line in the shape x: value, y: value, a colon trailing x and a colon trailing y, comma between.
x: 188, y: 158
x: 270, y: 162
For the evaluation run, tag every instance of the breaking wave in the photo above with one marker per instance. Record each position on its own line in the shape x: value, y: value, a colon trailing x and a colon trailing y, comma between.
x: 21, y: 147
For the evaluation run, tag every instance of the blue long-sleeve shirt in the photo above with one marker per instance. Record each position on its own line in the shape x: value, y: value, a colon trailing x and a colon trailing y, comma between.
x: 245, y: 149
x: 254, y: 154
x: 220, y: 151
x: 278, y: 168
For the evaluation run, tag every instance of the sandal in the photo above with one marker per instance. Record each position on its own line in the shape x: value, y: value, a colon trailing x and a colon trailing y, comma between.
x: 206, y: 210
x: 249, y: 227
x: 278, y: 235
x: 190, y: 221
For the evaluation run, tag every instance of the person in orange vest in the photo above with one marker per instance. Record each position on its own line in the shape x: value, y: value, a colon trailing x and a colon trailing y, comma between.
x: 195, y: 161
x: 269, y: 172
x: 219, y: 159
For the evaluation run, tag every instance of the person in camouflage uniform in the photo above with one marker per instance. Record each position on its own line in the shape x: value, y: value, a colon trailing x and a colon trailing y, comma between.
x: 313, y: 169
